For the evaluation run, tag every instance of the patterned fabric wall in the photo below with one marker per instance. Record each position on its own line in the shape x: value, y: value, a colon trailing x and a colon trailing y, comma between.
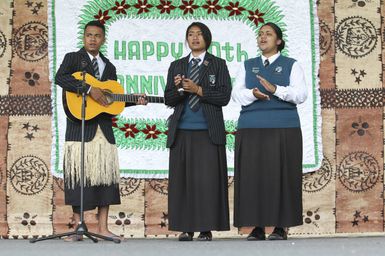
x: 344, y: 196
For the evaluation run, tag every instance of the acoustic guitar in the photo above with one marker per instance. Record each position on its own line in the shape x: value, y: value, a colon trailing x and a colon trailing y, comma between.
x: 114, y: 93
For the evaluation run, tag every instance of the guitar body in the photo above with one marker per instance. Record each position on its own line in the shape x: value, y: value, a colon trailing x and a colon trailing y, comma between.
x: 73, y: 101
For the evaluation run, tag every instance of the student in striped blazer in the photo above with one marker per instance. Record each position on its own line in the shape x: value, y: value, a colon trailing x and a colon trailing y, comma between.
x: 101, y: 160
x: 198, y: 86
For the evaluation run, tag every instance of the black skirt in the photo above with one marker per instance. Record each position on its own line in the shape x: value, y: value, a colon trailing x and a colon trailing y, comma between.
x: 197, y: 190
x: 268, y: 177
x: 95, y: 196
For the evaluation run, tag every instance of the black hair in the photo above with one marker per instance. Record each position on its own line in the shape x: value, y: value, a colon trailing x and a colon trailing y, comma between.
x: 278, y: 32
x: 96, y: 23
x: 205, y: 32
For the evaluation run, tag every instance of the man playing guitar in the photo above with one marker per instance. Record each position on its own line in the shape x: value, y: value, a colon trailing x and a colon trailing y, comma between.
x: 101, y: 181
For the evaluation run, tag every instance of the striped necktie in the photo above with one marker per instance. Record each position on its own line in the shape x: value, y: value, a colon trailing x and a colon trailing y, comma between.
x: 95, y: 67
x: 266, y: 63
x: 193, y: 101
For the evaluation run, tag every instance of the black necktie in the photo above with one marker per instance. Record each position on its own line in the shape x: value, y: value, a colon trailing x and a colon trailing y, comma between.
x: 193, y: 101
x: 266, y: 63
x: 95, y: 67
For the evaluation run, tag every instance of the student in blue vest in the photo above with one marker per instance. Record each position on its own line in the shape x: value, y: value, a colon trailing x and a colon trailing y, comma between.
x: 268, y: 143
x: 198, y: 85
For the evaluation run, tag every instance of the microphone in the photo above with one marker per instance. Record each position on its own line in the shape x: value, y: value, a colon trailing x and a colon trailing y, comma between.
x: 180, y: 90
x: 180, y: 86
x: 83, y: 64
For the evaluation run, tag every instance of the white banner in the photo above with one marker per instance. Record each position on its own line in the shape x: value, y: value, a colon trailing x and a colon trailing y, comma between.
x: 144, y: 37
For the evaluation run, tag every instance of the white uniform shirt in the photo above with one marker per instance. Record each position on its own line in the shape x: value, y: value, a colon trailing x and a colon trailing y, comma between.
x: 101, y: 65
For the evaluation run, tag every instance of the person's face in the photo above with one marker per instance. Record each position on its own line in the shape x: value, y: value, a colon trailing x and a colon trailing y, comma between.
x: 268, y: 41
x: 93, y: 39
x: 195, y: 39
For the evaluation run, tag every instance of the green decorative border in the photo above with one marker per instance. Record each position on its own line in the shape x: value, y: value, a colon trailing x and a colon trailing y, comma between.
x: 314, y: 91
x: 230, y: 172
x: 54, y: 90
x: 94, y: 8
x: 106, y: 12
x: 151, y: 134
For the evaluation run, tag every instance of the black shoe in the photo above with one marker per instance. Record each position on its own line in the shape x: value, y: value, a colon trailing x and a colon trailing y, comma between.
x: 278, y: 234
x: 186, y: 236
x: 257, y: 234
x: 205, y: 236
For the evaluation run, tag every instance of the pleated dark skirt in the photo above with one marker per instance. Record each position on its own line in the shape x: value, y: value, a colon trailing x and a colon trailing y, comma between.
x: 197, y: 190
x: 268, y: 177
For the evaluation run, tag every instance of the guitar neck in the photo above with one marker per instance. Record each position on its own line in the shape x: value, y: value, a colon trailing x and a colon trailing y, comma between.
x: 131, y: 98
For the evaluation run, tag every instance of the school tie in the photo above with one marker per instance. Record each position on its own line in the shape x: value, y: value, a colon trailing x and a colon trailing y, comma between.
x: 95, y: 67
x: 193, y: 101
x: 266, y: 63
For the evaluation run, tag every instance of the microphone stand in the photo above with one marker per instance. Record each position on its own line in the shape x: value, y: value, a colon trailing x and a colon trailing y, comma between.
x: 81, y: 229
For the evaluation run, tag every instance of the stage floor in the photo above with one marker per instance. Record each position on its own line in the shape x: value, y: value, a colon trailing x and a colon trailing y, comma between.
x: 159, y: 247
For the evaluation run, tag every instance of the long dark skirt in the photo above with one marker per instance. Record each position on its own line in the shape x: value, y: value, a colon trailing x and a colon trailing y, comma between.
x: 268, y: 177
x: 197, y: 190
x: 95, y: 196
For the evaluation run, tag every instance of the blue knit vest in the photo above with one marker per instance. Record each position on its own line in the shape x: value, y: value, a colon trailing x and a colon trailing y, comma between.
x: 273, y: 113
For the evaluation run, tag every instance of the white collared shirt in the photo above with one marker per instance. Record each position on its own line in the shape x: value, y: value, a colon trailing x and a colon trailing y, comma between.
x: 201, y: 57
x: 295, y: 92
x: 101, y: 63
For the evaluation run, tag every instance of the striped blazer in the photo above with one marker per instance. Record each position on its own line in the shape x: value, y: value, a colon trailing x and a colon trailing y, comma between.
x: 215, y: 95
x: 72, y: 62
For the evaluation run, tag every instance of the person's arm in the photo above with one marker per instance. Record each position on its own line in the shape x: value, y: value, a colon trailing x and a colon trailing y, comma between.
x: 296, y: 92
x: 64, y: 76
x: 220, y: 94
x: 114, y: 76
x: 240, y: 93
x: 171, y: 94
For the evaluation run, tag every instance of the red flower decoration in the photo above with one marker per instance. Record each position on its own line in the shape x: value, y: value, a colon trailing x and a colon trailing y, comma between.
x: 234, y: 9
x: 188, y: 7
x: 102, y: 16
x: 130, y: 130
x: 212, y: 6
x: 143, y: 6
x: 120, y: 8
x: 256, y: 17
x: 151, y: 132
x: 114, y: 120
x: 165, y: 6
